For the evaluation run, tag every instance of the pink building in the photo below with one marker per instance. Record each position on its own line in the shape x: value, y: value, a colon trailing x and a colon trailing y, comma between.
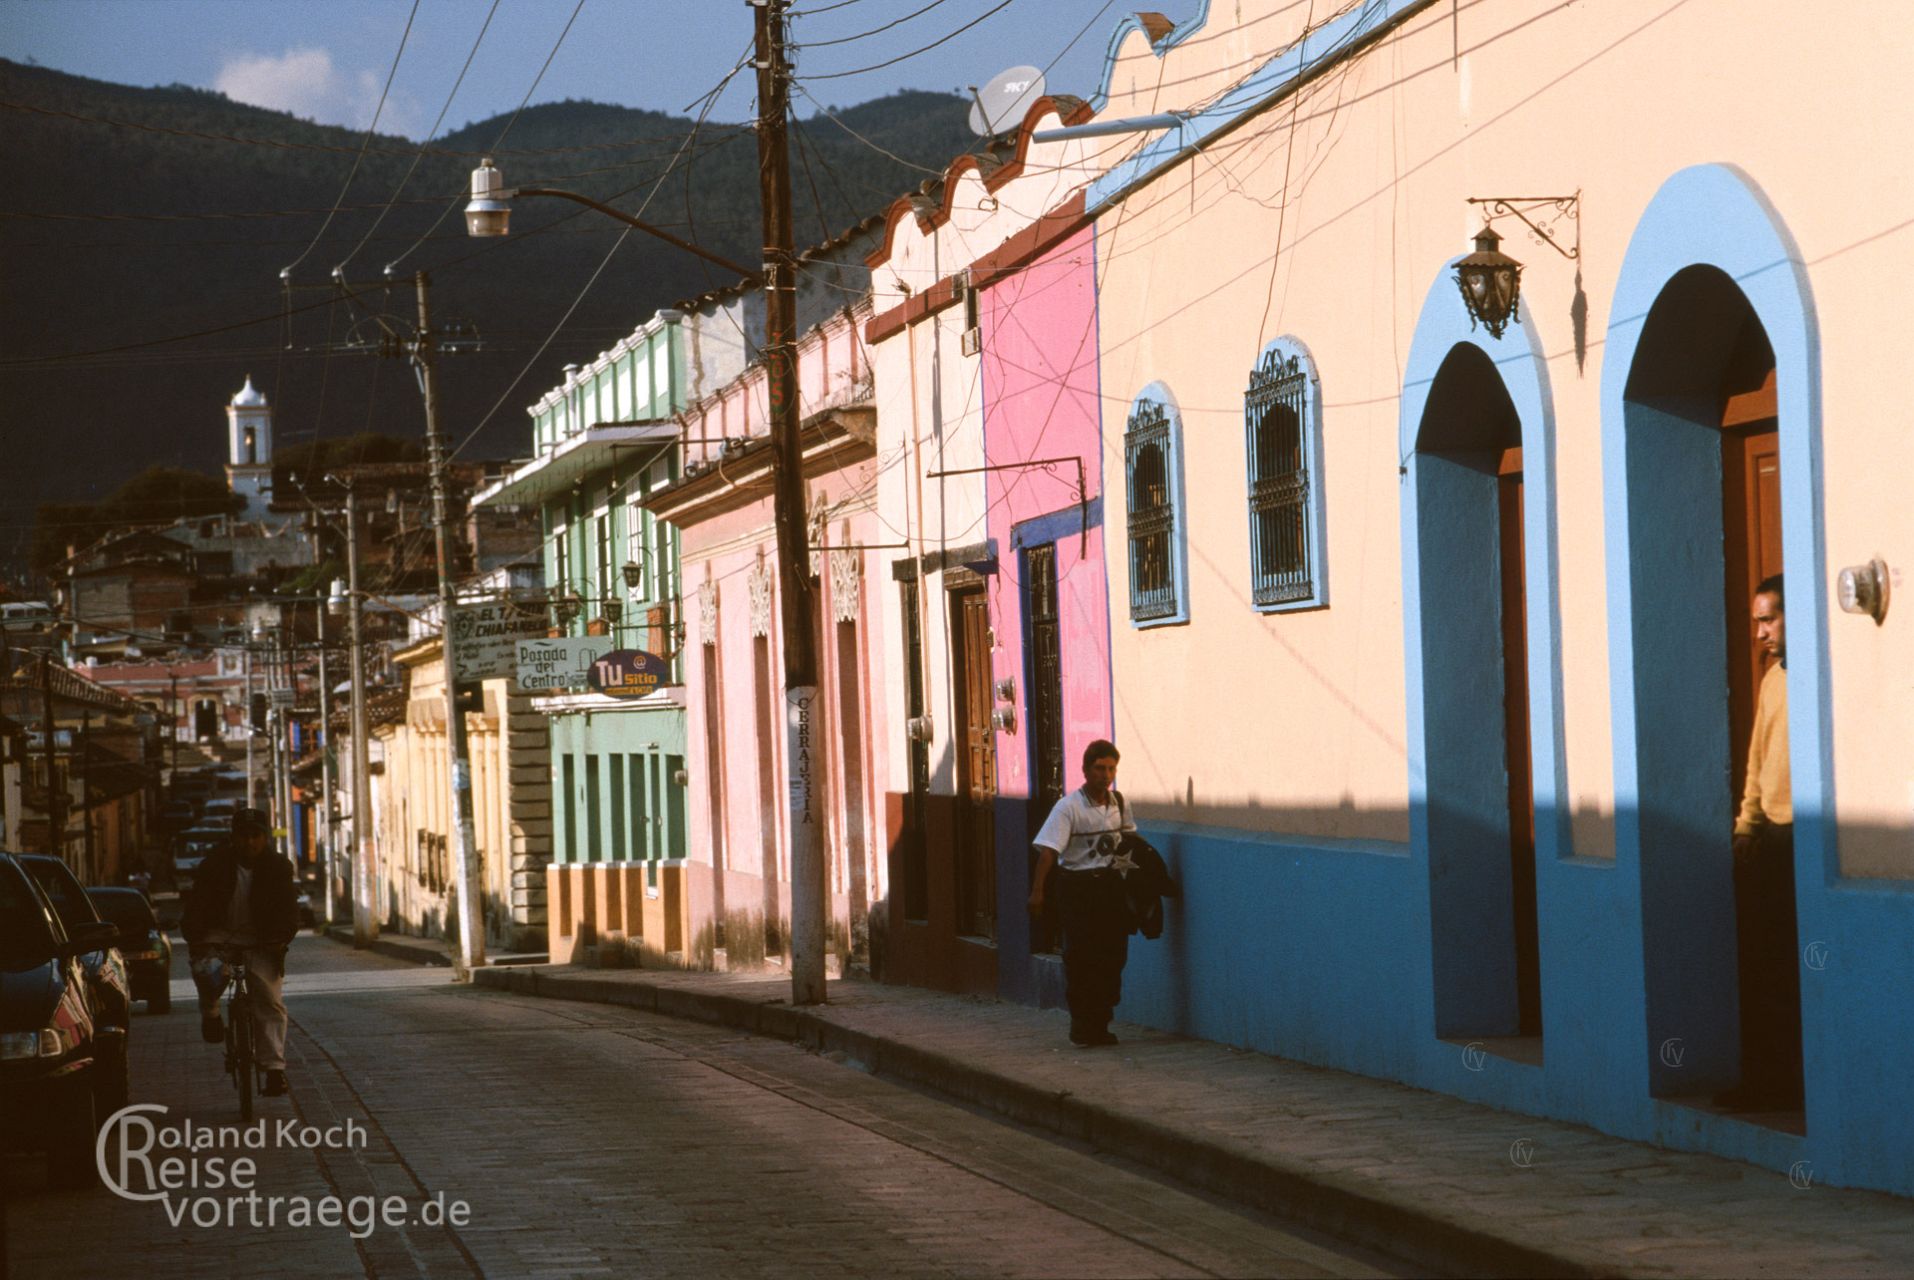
x: 737, y: 861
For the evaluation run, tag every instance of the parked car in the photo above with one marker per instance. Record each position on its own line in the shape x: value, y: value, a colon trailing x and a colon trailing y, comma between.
x: 144, y: 945
x: 190, y: 849
x: 105, y: 968
x: 51, y: 1040
x: 219, y: 810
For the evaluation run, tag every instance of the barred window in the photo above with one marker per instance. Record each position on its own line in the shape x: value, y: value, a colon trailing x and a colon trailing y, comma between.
x: 1156, y: 575
x: 1280, y: 420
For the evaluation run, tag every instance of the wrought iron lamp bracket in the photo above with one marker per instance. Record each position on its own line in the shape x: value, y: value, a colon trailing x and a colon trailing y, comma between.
x: 1547, y: 211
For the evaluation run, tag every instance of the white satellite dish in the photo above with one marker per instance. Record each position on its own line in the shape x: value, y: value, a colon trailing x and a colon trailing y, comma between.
x: 999, y: 106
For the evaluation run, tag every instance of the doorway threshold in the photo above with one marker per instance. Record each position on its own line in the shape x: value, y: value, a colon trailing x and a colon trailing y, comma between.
x: 1791, y: 1122
x: 1526, y: 1050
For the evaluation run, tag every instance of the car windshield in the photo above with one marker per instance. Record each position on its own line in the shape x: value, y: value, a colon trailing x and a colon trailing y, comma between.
x: 25, y: 939
x: 125, y: 908
x: 68, y: 898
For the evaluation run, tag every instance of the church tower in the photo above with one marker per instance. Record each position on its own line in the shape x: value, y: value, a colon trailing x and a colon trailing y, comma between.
x: 249, y: 451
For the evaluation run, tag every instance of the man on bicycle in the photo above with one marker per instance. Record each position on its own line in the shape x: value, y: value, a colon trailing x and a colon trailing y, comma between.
x: 243, y: 901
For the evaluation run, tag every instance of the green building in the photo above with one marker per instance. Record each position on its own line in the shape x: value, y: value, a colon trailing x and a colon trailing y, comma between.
x: 603, y: 441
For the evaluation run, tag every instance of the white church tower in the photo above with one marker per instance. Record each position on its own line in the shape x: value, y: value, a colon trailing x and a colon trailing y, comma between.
x: 249, y: 451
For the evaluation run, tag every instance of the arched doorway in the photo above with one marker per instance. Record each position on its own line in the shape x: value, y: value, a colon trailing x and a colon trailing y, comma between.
x: 1480, y: 802
x: 1703, y: 460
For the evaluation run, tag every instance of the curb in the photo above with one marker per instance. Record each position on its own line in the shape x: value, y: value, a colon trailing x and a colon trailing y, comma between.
x: 418, y: 952
x: 1350, y: 1209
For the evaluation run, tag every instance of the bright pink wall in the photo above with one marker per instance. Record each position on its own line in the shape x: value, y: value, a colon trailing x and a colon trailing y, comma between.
x: 1041, y: 400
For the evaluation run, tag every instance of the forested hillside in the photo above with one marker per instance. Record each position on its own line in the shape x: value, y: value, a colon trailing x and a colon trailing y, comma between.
x: 134, y: 216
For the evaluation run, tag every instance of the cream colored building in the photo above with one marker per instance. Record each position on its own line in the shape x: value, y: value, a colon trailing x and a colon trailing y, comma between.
x: 1443, y: 726
x: 507, y: 747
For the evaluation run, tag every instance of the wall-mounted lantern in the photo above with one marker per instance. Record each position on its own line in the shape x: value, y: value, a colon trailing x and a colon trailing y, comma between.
x: 1490, y: 280
x: 1491, y: 283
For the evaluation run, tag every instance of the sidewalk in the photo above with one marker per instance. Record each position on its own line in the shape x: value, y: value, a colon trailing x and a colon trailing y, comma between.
x: 1440, y: 1182
x: 403, y: 946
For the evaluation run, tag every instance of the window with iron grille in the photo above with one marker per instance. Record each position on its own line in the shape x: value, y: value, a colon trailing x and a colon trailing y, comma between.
x: 1156, y: 551
x: 1283, y: 441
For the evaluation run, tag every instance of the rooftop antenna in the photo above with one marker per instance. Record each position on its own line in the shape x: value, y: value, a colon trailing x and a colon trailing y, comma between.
x: 1000, y: 106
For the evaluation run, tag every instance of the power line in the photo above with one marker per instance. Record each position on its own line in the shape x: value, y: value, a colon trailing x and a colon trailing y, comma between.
x: 902, y: 57
x: 286, y: 272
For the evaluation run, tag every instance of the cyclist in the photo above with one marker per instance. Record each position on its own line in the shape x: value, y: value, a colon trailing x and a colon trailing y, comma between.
x: 243, y: 900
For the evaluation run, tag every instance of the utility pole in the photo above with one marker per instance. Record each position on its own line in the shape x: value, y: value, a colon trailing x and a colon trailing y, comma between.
x: 172, y: 707
x: 324, y: 830
x: 283, y: 679
x: 56, y: 795
x: 251, y: 785
x: 464, y: 835
x: 86, y: 798
x: 365, y: 924
x: 797, y: 601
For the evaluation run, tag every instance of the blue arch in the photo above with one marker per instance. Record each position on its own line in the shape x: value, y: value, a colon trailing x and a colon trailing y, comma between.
x: 1471, y: 981
x: 1715, y: 215
x: 1518, y: 357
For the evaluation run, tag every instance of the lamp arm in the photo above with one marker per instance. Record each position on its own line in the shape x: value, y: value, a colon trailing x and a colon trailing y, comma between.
x: 750, y: 275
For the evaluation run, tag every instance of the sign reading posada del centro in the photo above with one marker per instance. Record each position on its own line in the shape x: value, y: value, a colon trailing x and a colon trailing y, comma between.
x: 629, y: 673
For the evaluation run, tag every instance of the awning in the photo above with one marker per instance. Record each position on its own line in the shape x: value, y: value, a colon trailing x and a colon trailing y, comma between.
x: 596, y: 448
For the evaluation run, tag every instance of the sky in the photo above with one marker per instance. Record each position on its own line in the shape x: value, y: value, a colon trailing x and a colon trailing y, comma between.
x: 330, y: 60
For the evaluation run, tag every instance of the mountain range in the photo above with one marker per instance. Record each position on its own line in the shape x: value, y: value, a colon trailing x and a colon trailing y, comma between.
x: 162, y: 245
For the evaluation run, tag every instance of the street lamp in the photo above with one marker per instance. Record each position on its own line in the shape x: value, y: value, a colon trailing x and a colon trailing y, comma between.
x: 489, y: 213
x: 1491, y: 283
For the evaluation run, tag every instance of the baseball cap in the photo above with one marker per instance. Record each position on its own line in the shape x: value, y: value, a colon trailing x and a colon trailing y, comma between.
x: 245, y: 820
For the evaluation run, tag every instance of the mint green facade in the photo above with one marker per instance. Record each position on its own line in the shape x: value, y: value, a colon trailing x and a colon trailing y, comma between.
x: 618, y: 787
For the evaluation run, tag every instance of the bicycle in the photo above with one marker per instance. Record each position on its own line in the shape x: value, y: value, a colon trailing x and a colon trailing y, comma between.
x: 242, y: 1058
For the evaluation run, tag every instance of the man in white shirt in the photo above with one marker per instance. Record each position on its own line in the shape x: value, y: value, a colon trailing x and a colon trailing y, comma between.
x: 1080, y: 840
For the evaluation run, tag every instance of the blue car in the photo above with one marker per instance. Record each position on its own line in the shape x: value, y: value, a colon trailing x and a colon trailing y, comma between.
x: 51, y: 1039
x: 107, y: 984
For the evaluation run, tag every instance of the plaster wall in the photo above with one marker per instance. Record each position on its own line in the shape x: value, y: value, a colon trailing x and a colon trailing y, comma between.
x: 1293, y: 808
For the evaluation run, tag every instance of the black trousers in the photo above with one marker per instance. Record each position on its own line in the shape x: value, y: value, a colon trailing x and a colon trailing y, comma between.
x: 1769, y: 965
x: 1096, y: 942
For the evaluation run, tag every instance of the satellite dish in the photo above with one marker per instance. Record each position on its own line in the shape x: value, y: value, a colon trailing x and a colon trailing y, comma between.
x: 999, y: 106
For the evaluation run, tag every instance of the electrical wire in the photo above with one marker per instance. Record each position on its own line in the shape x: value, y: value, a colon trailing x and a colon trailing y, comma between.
x: 903, y: 57
x: 420, y: 155
x: 865, y: 35
x: 286, y: 272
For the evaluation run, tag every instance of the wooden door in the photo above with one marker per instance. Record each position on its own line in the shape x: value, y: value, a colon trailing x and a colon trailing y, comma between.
x: 1515, y: 720
x: 1048, y: 774
x: 1751, y: 536
x: 976, y: 765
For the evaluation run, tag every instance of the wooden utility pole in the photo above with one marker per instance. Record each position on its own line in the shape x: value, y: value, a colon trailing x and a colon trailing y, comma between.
x: 365, y: 918
x: 464, y: 833
x: 56, y: 795
x: 797, y: 601
x: 325, y: 832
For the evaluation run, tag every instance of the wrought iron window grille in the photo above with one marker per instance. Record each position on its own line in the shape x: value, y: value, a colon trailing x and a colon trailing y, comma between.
x: 1276, y: 413
x: 1152, y: 512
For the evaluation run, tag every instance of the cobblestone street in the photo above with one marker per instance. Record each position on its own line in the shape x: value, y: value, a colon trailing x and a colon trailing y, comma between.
x: 590, y: 1140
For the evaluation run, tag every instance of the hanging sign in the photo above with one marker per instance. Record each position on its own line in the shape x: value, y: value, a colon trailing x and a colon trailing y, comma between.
x: 629, y: 673
x: 485, y: 638
x: 561, y: 663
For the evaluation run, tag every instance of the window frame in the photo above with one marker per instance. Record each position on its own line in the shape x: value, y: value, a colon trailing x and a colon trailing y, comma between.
x: 1280, y: 360
x: 1169, y: 436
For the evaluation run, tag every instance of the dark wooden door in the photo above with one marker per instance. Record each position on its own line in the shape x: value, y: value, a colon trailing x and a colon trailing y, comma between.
x: 1042, y: 644
x: 976, y: 765
x: 1751, y: 536
x: 1515, y: 719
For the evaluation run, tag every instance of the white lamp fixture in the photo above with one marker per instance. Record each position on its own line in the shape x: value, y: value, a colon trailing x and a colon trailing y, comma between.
x: 1863, y: 588
x: 489, y: 212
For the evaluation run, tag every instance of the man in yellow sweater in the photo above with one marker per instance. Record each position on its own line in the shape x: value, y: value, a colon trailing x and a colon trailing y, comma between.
x: 1764, y: 887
